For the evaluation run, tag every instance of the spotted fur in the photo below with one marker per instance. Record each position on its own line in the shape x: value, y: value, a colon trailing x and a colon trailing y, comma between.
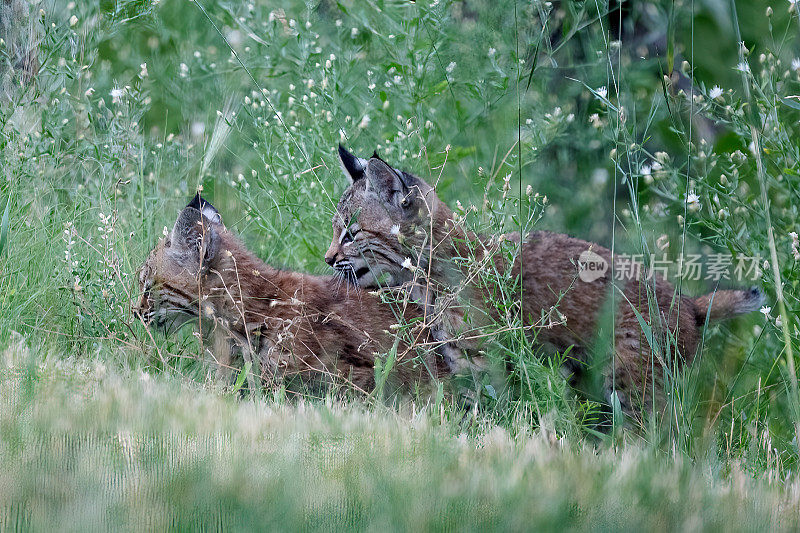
x: 287, y: 323
x: 387, y: 216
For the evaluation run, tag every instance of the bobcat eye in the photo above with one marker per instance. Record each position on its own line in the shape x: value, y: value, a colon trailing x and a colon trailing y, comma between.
x: 350, y: 235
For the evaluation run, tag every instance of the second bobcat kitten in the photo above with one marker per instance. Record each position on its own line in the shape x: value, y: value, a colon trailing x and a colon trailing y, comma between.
x: 389, y: 220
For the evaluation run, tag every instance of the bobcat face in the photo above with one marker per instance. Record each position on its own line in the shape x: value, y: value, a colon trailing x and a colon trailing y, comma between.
x: 169, y: 281
x: 378, y: 221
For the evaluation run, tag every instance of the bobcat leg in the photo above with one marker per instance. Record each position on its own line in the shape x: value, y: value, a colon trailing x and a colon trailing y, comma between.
x: 251, y: 355
x: 633, y: 371
x: 222, y: 352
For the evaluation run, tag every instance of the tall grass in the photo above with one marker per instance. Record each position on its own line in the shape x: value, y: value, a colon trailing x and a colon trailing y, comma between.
x: 138, y: 104
x: 173, y: 455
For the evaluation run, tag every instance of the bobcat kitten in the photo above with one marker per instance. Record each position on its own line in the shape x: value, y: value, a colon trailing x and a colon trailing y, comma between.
x: 290, y: 324
x: 388, y: 216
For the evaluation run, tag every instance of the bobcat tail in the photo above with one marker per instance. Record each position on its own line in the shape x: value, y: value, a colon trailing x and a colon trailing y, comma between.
x: 727, y: 303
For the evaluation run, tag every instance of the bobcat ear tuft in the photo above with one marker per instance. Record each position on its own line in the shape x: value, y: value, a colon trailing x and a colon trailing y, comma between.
x: 195, y: 234
x: 208, y: 210
x: 352, y: 165
x: 387, y: 183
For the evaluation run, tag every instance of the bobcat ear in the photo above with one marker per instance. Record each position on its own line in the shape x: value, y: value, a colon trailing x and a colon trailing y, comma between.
x: 352, y: 165
x: 195, y: 234
x: 387, y: 183
x: 208, y: 210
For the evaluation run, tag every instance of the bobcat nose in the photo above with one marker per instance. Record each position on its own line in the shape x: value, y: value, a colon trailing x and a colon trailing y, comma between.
x: 332, y: 254
x: 138, y: 313
x: 141, y: 309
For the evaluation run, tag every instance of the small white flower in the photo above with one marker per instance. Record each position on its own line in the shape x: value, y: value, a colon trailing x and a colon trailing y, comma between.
x: 715, y: 92
x: 492, y: 52
x: 89, y: 92
x: 409, y: 265
x: 602, y: 92
x: 743, y: 67
x: 183, y: 70
x: 353, y: 32
x: 395, y: 230
x: 198, y: 128
x: 796, y: 63
x: 73, y: 21
x: 693, y: 202
x: 451, y: 67
x: 364, y: 122
x: 143, y: 70
x: 765, y: 310
x: 117, y: 94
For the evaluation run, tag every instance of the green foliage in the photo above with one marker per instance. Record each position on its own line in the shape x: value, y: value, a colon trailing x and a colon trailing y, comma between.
x: 4, y: 226
x: 150, y: 452
x: 525, y: 115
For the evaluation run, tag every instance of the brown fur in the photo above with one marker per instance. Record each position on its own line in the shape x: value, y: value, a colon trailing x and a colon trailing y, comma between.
x: 296, y: 324
x: 555, y: 301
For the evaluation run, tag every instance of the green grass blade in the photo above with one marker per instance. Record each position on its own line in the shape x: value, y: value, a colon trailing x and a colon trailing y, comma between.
x: 4, y: 226
x: 240, y: 379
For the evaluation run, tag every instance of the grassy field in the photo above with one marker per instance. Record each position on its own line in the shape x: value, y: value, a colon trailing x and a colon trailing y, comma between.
x: 659, y: 131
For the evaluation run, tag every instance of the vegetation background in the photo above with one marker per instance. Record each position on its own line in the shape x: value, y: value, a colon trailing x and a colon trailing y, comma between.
x: 652, y: 127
